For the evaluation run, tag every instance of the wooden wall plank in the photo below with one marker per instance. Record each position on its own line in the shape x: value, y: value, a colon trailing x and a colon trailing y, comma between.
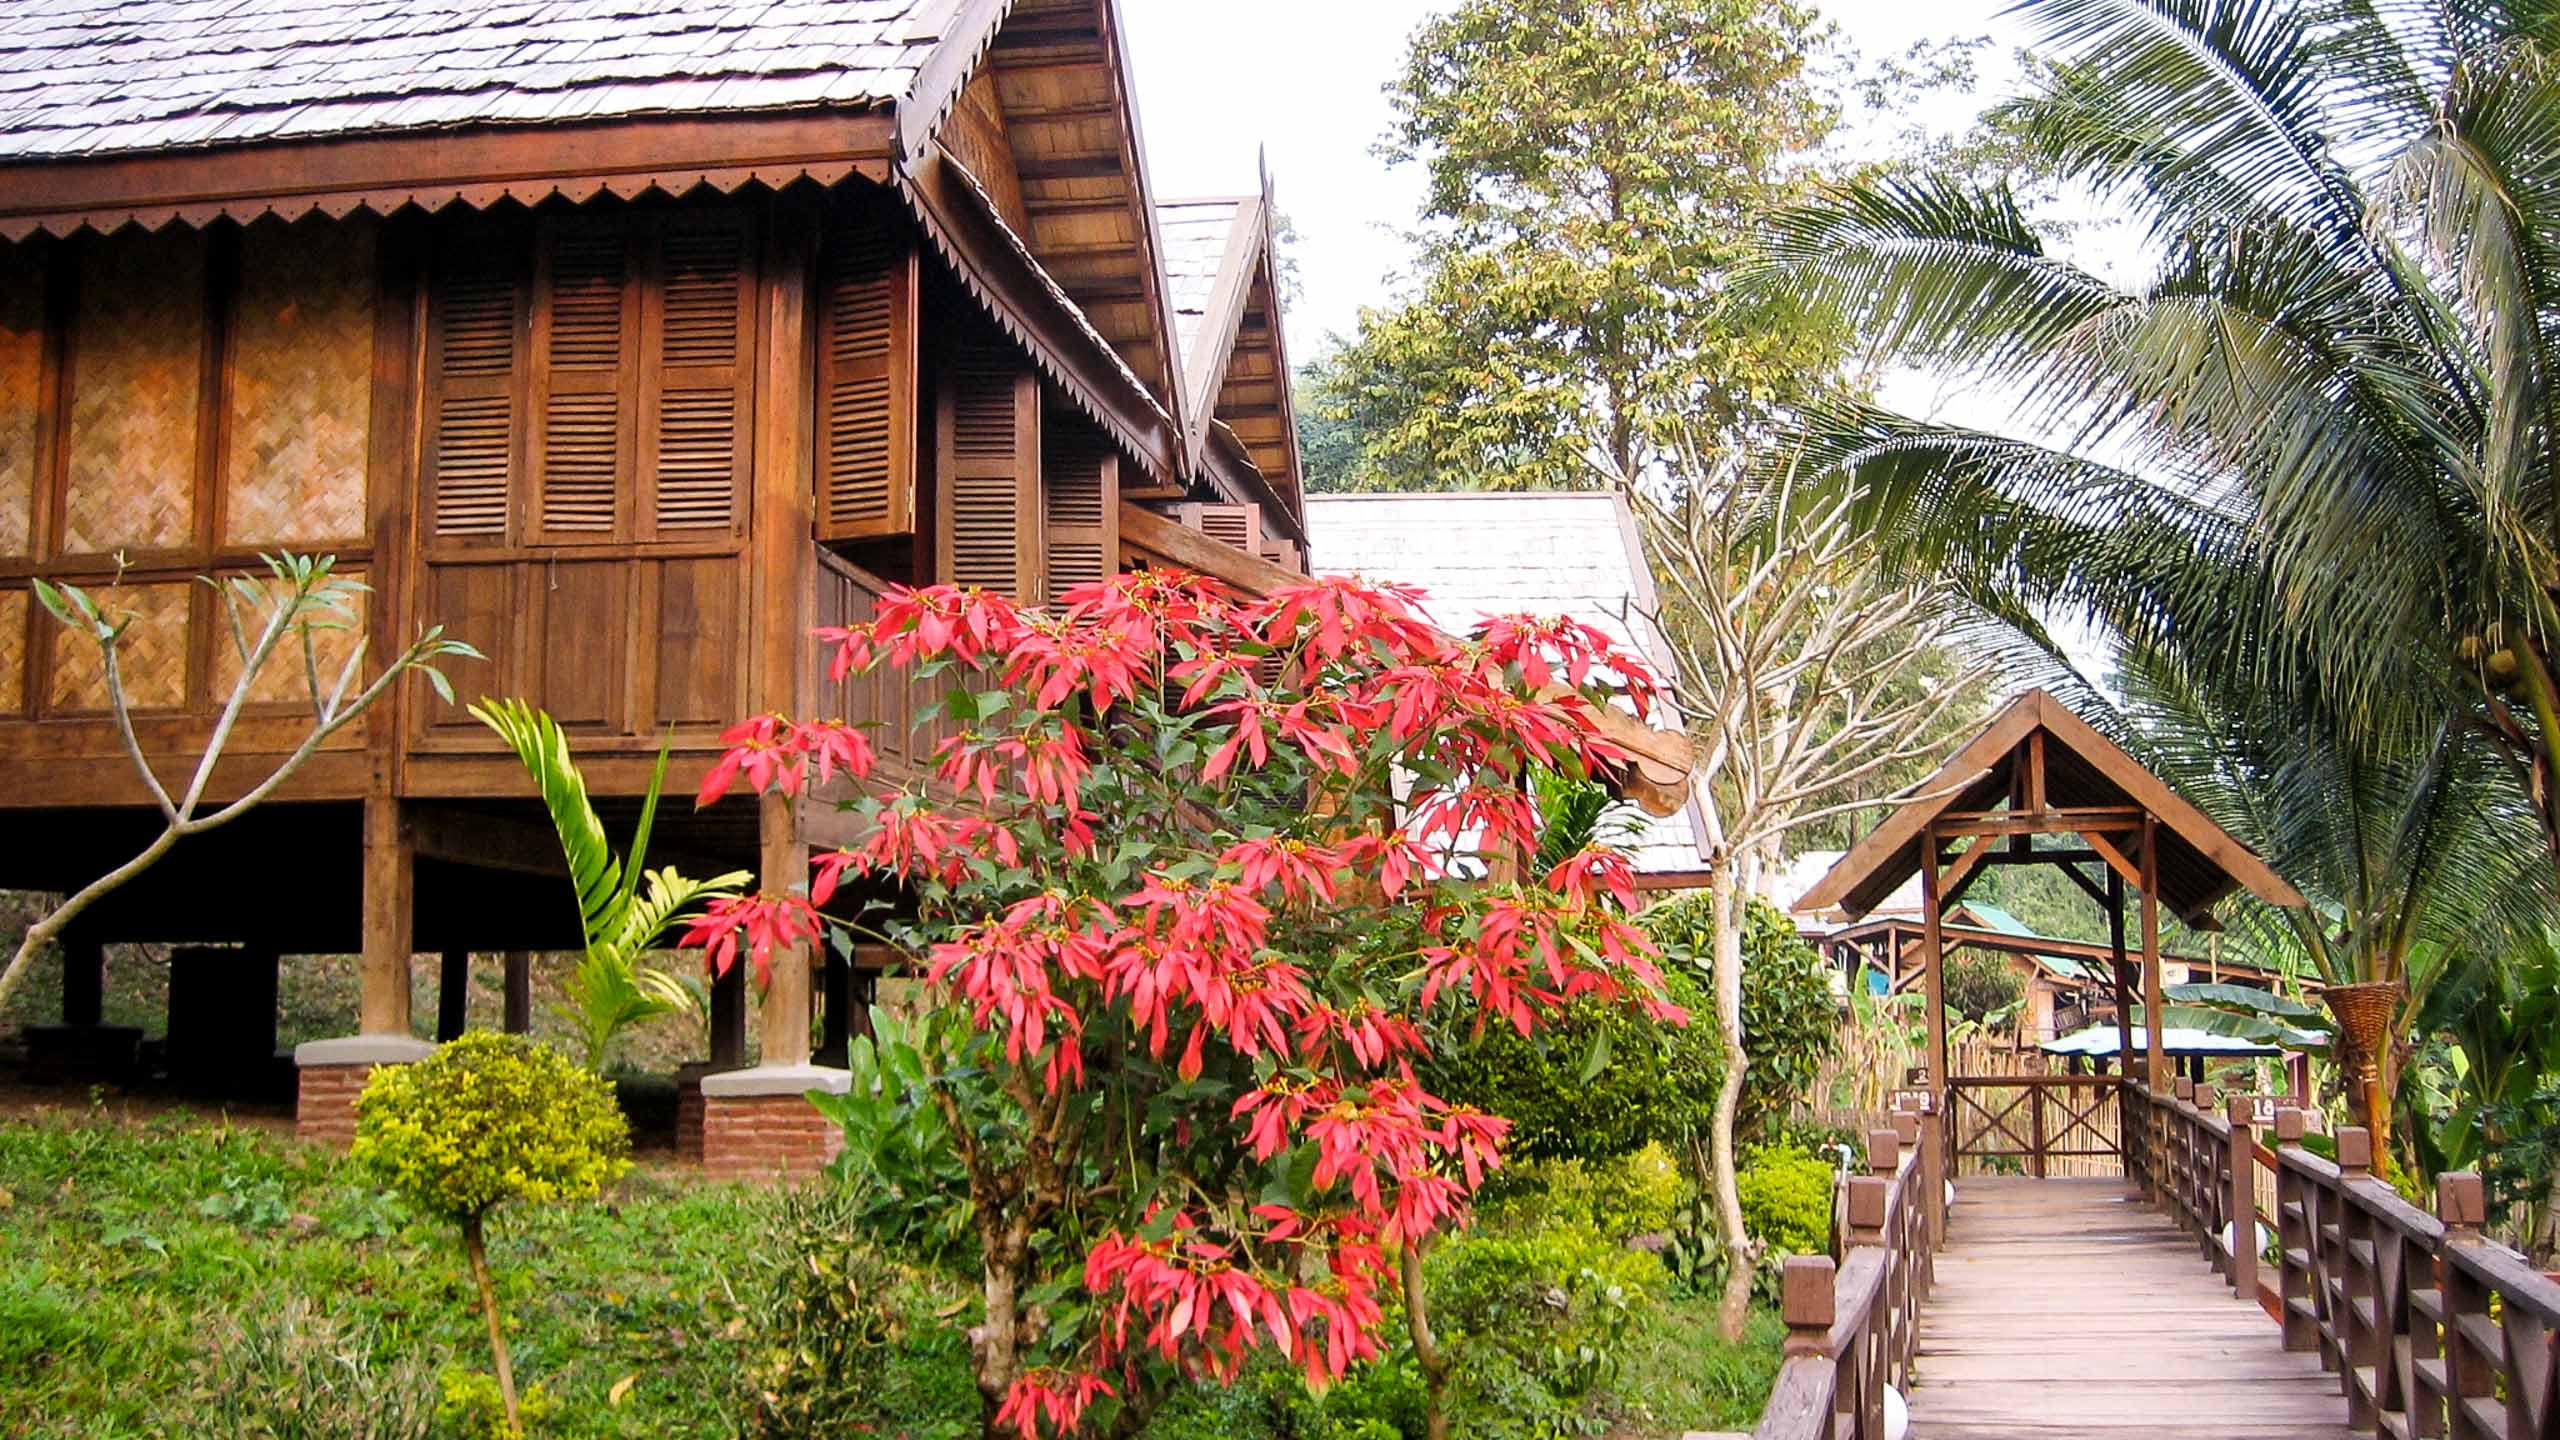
x: 22, y: 354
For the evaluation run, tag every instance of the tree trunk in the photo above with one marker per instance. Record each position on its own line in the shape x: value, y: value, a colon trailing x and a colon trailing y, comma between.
x: 41, y: 933
x: 1730, y: 1230
x: 475, y: 1244
x: 999, y: 1351
x: 1426, y: 1345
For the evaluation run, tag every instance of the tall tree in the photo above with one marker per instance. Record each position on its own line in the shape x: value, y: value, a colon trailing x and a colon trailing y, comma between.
x: 1822, y: 673
x: 1591, y: 168
x: 2313, y: 452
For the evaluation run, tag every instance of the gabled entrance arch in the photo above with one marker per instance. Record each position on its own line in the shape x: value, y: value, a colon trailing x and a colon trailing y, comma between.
x: 2039, y: 770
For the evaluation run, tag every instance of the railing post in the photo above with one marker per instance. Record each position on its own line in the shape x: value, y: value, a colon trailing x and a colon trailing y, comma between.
x: 2204, y: 1175
x: 2294, y: 1239
x: 2243, y: 1202
x: 1809, y: 1300
x: 2469, y: 1375
x: 2359, y: 1341
x: 2035, y: 1131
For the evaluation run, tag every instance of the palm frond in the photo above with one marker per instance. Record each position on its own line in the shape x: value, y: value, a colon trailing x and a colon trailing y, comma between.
x: 595, y: 873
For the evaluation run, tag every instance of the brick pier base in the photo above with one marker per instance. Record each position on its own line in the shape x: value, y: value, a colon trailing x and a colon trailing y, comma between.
x: 333, y: 1073
x: 758, y: 1124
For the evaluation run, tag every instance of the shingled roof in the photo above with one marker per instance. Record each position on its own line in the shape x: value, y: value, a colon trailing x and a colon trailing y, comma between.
x: 99, y: 77
x: 1195, y: 233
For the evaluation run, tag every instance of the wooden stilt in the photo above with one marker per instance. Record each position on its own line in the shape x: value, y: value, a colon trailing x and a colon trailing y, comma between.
x: 519, y: 1007
x: 453, y: 995
x: 786, y: 995
x: 84, y: 980
x: 390, y: 903
x: 729, y: 1019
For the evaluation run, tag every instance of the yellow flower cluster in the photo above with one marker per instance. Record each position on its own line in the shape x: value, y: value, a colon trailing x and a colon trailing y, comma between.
x: 490, y: 1118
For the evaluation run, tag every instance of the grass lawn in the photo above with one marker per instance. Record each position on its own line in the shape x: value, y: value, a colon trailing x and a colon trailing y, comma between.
x: 170, y: 1276
x: 145, y: 1271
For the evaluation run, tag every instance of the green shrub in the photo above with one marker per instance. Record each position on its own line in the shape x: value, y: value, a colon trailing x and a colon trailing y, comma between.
x: 1980, y: 985
x: 473, y: 1407
x: 821, y: 1336
x: 1533, y: 1325
x: 1638, y: 1193
x: 487, y: 1119
x: 1790, y: 1017
x: 1786, y: 1200
x: 1653, y: 1081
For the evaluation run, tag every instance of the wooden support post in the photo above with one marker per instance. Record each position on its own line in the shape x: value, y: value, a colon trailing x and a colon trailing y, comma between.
x: 84, y: 979
x: 786, y: 994
x: 453, y: 996
x: 2243, y: 1205
x: 1933, y: 955
x: 2035, y: 1131
x: 2154, y: 1070
x: 519, y: 1006
x: 2127, y: 1137
x: 729, y: 1019
x: 390, y: 906
x: 836, y: 1046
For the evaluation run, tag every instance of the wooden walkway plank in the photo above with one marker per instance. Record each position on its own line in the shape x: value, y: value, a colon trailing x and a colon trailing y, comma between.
x: 2065, y: 1307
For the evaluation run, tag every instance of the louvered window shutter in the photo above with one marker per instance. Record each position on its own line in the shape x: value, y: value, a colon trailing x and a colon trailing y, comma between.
x: 1080, y: 484
x: 988, y: 443
x: 866, y: 386
x: 583, y: 343
x: 700, y: 396
x: 471, y: 426
x: 1236, y: 526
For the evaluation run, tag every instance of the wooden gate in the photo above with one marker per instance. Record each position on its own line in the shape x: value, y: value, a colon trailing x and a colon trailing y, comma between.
x: 2040, y: 1125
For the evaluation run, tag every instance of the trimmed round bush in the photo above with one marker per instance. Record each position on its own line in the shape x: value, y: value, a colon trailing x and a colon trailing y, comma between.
x: 488, y: 1119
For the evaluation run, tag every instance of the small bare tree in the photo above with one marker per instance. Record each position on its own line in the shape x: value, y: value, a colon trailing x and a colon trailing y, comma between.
x: 1814, y: 681
x: 300, y: 599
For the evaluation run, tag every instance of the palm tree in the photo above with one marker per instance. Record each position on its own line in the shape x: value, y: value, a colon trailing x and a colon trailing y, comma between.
x: 2313, y: 457
x: 2319, y: 446
x: 2417, y: 859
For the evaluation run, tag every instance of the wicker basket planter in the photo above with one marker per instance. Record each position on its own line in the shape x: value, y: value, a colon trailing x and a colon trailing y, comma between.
x: 2364, y: 1015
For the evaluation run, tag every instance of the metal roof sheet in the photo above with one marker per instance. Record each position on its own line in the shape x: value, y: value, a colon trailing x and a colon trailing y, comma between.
x: 96, y: 77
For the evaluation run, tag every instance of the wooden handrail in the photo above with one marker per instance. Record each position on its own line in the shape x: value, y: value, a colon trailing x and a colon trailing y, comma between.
x: 1853, y: 1322
x: 2432, y: 1328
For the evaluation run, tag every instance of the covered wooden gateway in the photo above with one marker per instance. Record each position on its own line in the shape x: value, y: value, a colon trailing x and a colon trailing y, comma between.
x: 2036, y: 773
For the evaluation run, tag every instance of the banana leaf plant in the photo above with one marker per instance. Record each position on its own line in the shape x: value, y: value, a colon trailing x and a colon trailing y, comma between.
x: 624, y: 908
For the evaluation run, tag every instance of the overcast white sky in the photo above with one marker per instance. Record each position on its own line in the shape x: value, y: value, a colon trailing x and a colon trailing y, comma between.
x: 1218, y: 79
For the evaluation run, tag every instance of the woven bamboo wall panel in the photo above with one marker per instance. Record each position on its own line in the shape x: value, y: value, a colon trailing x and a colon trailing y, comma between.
x: 138, y: 348
x: 281, y: 681
x: 13, y: 651
x: 21, y: 393
x: 301, y: 385
x: 152, y: 657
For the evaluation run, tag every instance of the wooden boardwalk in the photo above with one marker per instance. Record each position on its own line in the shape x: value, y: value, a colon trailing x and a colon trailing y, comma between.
x: 2063, y: 1307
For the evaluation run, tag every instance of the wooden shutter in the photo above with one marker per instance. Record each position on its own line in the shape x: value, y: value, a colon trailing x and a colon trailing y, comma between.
x: 988, y: 445
x: 1236, y: 526
x: 866, y: 386
x: 700, y: 391
x: 1281, y: 552
x: 583, y: 339
x: 1080, y: 485
x: 472, y: 363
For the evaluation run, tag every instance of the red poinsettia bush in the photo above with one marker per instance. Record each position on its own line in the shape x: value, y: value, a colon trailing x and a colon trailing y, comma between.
x: 1190, y: 883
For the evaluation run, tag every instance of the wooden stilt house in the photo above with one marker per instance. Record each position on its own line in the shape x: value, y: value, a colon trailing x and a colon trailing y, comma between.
x: 626, y: 340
